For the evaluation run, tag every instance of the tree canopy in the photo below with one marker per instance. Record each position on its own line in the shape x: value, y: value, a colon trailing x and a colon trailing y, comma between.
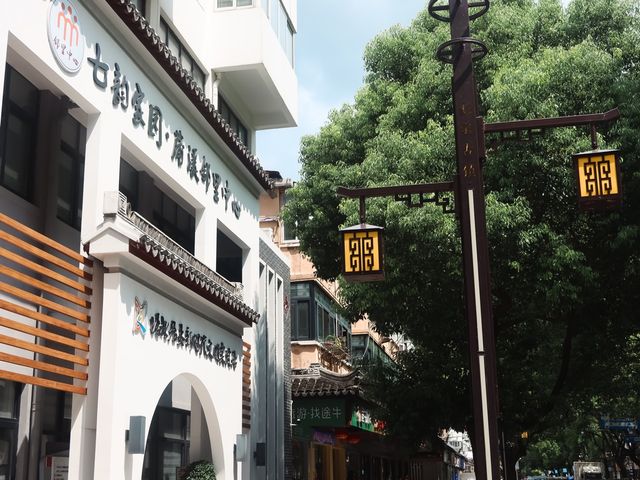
x: 565, y: 284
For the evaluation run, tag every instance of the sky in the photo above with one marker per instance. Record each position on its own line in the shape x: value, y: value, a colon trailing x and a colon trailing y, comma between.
x: 331, y: 38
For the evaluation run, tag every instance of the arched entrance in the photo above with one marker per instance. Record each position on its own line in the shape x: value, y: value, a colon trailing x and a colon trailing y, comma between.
x: 183, y: 429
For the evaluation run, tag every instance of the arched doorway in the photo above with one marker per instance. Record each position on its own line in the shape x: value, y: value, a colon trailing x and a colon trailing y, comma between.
x: 179, y: 432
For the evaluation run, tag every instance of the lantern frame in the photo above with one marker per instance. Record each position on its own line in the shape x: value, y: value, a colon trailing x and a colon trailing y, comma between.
x: 369, y: 275
x: 600, y: 201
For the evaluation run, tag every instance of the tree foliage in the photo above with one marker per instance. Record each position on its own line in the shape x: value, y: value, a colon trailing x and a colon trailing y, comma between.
x: 564, y: 283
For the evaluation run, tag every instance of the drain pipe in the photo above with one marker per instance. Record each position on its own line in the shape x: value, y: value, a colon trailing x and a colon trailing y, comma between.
x: 214, y: 88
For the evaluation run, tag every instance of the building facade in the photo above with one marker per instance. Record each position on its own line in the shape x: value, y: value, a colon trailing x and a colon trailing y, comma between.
x: 133, y: 301
x: 334, y: 436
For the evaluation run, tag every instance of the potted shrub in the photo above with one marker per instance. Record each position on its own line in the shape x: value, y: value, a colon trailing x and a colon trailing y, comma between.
x: 200, y: 470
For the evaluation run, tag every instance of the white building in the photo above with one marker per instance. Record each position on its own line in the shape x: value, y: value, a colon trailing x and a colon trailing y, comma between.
x: 134, y: 286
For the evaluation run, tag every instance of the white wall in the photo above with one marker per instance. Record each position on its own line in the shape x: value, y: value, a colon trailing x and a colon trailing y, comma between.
x: 136, y: 370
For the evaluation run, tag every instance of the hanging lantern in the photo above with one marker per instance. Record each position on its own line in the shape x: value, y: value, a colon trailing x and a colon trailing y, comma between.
x: 362, y: 253
x: 353, y: 439
x: 598, y: 177
x: 342, y: 435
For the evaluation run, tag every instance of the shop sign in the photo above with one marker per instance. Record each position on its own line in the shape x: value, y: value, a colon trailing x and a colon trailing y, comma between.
x: 59, y: 467
x: 318, y: 412
x: 325, y: 438
x: 361, y: 418
x: 65, y: 36
x: 628, y: 424
x: 67, y: 44
x: 125, y: 95
x: 180, y: 336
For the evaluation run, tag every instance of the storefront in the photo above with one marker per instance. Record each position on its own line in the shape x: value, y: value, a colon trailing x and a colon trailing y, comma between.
x: 335, y: 436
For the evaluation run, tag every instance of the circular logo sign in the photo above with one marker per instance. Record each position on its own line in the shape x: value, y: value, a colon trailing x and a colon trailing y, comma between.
x: 65, y: 37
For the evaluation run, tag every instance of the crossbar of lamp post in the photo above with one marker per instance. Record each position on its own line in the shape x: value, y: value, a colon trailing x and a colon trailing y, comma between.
x: 396, y: 190
x: 541, y: 123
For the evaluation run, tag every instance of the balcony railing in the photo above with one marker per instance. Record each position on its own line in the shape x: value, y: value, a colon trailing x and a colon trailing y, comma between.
x: 172, y: 254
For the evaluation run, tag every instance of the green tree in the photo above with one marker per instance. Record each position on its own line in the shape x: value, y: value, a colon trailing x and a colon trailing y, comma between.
x: 564, y: 283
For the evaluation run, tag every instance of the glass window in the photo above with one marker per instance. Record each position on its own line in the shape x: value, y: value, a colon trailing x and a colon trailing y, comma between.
x: 233, y: 121
x: 301, y: 320
x: 18, y: 133
x: 238, y: 3
x: 174, y: 221
x: 300, y: 289
x: 181, y: 53
x: 8, y: 403
x: 173, y: 43
x: 129, y: 183
x: 168, y: 444
x: 140, y: 5
x: 282, y: 27
x: 228, y: 258
x: 71, y: 171
x: 185, y: 61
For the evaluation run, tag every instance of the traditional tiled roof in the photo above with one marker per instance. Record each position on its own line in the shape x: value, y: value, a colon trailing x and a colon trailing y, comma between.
x: 160, y: 251
x: 160, y: 51
x: 318, y: 382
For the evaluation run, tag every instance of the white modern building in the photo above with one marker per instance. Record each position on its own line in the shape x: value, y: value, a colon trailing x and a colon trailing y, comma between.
x: 141, y: 312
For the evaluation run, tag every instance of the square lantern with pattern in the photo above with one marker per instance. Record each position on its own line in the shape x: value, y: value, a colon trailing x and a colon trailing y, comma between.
x: 362, y: 253
x: 598, y: 177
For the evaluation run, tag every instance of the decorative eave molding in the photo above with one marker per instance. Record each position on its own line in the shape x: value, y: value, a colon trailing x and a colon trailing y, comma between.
x: 161, y: 252
x: 316, y: 381
x: 152, y: 42
x: 208, y: 290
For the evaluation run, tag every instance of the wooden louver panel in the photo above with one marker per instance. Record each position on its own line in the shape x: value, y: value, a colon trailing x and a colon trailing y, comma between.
x: 45, y: 291
x: 246, y: 386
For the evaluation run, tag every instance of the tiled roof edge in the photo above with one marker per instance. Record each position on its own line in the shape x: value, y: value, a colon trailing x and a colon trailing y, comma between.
x: 215, y: 294
x: 152, y: 42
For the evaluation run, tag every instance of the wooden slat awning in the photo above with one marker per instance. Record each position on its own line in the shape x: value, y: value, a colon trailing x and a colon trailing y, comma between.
x: 246, y: 386
x: 45, y: 302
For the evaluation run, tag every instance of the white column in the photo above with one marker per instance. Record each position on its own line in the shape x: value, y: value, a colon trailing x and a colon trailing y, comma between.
x: 110, y: 435
x: 206, y: 237
x: 102, y: 168
x: 82, y: 446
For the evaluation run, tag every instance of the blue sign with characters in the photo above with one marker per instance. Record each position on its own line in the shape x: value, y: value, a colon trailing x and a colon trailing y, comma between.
x: 619, y: 423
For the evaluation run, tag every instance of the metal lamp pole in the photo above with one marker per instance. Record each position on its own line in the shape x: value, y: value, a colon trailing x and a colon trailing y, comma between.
x: 460, y: 51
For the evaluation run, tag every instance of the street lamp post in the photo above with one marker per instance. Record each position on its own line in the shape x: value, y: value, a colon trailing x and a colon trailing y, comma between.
x: 597, y: 174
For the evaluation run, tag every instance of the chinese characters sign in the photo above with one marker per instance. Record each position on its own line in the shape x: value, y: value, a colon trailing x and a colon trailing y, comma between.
x: 65, y: 37
x: 127, y: 95
x: 176, y: 334
x: 598, y: 179
x: 361, y: 418
x: 362, y: 253
x: 319, y: 412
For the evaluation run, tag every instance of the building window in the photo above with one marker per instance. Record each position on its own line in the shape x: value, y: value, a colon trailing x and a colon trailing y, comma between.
x: 140, y: 5
x: 129, y: 184
x: 9, y: 413
x: 178, y: 49
x: 174, y: 221
x: 18, y: 134
x: 233, y: 121
x: 300, y: 320
x: 168, y: 444
x: 71, y: 171
x: 234, y: 3
x: 288, y: 234
x: 228, y: 258
x: 282, y: 26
